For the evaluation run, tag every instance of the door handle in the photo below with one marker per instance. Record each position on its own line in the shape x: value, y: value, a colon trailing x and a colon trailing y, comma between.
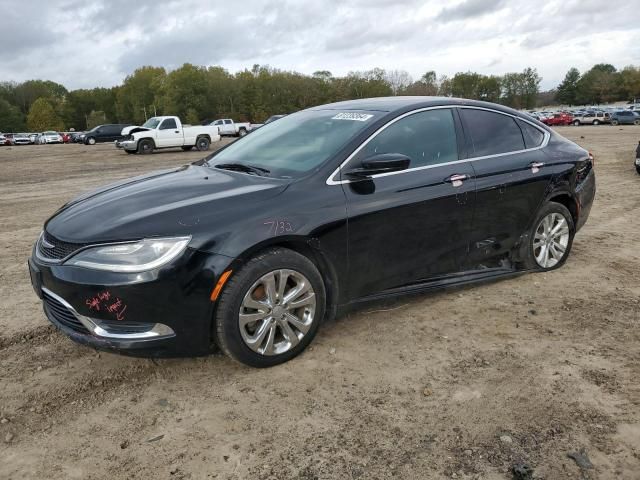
x: 536, y: 166
x: 456, y: 179
x: 176, y: 131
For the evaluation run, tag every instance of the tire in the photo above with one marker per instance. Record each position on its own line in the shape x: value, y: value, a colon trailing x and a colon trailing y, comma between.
x: 90, y: 141
x: 636, y: 122
x: 242, y: 132
x: 532, y: 248
x: 638, y: 169
x: 615, y: 123
x: 576, y: 123
x: 145, y: 146
x: 596, y: 122
x: 202, y: 144
x: 186, y: 148
x: 233, y: 339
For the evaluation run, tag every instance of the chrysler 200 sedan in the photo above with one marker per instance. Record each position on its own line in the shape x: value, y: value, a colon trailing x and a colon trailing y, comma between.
x: 251, y: 248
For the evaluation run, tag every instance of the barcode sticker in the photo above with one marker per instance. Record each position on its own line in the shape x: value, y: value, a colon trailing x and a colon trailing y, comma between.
x: 356, y: 117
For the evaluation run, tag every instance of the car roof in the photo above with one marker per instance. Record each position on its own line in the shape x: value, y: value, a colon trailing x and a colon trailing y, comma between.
x: 400, y: 104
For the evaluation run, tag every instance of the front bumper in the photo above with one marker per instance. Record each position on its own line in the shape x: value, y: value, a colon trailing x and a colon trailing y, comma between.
x: 161, y: 313
x: 130, y: 145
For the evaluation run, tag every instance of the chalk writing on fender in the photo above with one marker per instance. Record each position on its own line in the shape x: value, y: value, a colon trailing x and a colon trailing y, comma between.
x: 104, y: 301
x: 278, y: 227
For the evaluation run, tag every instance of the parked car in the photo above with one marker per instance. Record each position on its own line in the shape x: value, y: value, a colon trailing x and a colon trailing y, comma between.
x: 226, y: 126
x: 33, y: 137
x: 49, y: 137
x: 76, y: 137
x: 167, y: 132
x: 592, y: 118
x: 21, y: 139
x: 625, y: 117
x: 8, y: 139
x: 104, y: 133
x: 558, y: 119
x: 3, y: 139
x: 249, y: 248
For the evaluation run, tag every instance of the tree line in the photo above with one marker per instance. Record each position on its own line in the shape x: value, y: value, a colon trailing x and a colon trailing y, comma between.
x: 197, y: 93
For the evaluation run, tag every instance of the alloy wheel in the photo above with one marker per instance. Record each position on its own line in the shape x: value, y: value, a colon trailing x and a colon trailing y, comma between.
x: 277, y: 312
x: 551, y: 240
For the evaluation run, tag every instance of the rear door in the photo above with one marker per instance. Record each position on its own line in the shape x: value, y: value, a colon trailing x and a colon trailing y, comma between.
x: 169, y: 135
x: 412, y: 225
x: 511, y: 179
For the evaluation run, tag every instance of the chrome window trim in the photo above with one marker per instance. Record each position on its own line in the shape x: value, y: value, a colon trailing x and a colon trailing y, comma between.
x: 545, y: 141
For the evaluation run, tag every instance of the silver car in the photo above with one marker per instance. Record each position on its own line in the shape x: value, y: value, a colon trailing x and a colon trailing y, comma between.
x: 50, y: 137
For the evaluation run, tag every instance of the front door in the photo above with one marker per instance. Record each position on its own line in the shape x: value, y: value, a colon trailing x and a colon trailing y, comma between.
x: 169, y: 135
x: 411, y: 225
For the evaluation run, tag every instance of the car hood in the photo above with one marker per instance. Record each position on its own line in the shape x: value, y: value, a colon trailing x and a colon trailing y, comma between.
x: 133, y: 129
x: 191, y: 200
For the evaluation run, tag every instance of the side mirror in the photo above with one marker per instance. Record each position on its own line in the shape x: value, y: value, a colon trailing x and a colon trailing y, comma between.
x: 380, y: 163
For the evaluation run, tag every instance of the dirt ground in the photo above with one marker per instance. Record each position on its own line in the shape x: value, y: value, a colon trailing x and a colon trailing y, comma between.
x: 460, y: 384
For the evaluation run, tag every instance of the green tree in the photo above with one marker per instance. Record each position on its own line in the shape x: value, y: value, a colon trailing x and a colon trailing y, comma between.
x: 11, y: 118
x: 192, y: 117
x: 43, y: 117
x: 138, y: 97
x: 568, y: 90
x: 95, y: 118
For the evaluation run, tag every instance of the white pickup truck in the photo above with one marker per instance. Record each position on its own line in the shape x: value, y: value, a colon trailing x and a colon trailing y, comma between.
x: 166, y: 132
x: 226, y: 126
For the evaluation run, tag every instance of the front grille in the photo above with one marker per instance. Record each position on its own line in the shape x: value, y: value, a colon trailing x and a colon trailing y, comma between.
x: 61, y: 314
x: 123, y: 327
x: 59, y: 250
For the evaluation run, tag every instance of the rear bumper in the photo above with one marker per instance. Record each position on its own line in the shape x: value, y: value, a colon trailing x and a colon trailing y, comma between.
x: 585, y: 193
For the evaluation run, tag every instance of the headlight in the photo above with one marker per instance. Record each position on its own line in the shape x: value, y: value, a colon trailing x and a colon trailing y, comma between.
x: 131, y: 257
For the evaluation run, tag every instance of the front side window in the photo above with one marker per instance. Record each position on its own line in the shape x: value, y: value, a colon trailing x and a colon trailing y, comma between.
x: 427, y: 138
x: 297, y: 143
x: 492, y: 133
x: 168, y: 124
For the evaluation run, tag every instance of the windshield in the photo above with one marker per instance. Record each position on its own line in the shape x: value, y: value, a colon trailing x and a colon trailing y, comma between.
x: 151, y: 123
x: 296, y: 143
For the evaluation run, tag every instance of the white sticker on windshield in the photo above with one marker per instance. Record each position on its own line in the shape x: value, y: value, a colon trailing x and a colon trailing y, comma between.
x: 357, y: 117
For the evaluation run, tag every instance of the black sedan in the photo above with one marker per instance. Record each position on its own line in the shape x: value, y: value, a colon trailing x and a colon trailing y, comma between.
x: 251, y: 248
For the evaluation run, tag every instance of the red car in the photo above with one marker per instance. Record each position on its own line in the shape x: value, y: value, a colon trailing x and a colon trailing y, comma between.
x: 558, y: 119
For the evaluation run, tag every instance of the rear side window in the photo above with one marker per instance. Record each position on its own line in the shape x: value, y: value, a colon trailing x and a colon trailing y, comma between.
x: 533, y: 136
x: 427, y: 138
x: 492, y: 133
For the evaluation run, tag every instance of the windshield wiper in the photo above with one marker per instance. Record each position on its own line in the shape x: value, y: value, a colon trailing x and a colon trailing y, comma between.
x: 243, y: 167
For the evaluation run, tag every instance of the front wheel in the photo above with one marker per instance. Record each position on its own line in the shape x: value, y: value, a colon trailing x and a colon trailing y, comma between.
x: 577, y: 123
x: 270, y: 309
x: 615, y: 122
x: 596, y: 122
x: 550, y: 239
x: 145, y: 146
x: 91, y: 141
x: 636, y: 122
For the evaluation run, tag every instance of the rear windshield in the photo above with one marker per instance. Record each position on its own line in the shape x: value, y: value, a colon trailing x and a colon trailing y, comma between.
x: 297, y: 143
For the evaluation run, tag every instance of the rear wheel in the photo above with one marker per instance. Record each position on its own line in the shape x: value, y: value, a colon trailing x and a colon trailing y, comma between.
x: 145, y: 146
x: 202, y: 144
x: 636, y: 122
x: 550, y: 239
x: 242, y: 132
x: 270, y: 310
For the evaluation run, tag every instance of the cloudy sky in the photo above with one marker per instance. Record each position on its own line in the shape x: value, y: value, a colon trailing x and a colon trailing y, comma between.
x: 98, y: 42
